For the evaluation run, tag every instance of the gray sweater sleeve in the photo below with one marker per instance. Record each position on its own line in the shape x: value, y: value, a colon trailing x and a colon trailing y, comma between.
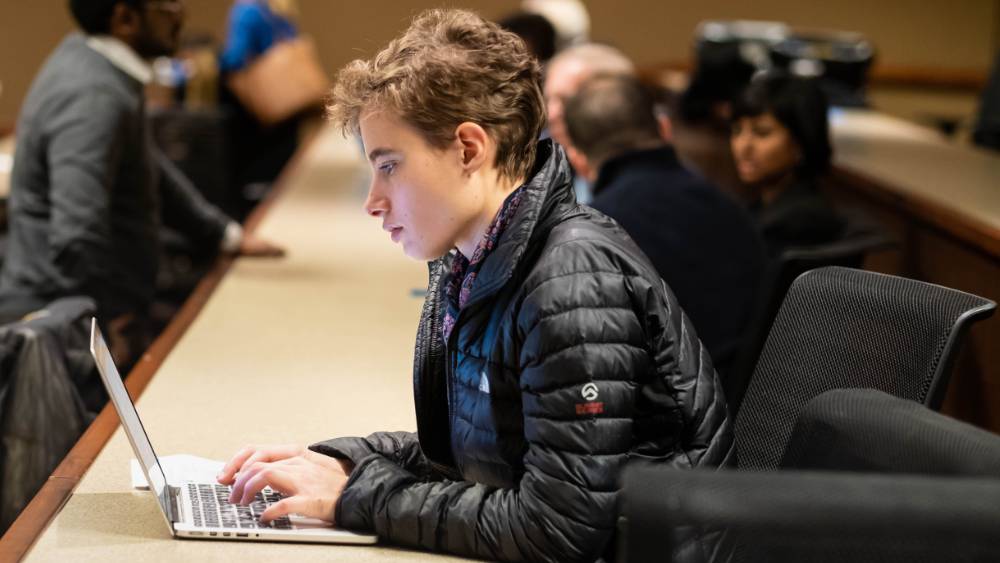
x: 185, y: 209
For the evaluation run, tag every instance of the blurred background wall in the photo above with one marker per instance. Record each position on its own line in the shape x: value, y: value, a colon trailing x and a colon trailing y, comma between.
x: 948, y: 40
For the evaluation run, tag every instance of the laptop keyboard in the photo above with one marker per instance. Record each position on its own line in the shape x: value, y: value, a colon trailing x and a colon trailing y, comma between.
x: 211, y: 508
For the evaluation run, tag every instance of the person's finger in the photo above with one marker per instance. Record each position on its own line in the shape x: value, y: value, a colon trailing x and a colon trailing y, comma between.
x: 253, y: 246
x: 245, y: 474
x: 249, y: 471
x: 270, y: 476
x: 269, y: 454
x: 228, y: 473
x: 251, y: 454
x: 273, y: 251
x: 298, y: 504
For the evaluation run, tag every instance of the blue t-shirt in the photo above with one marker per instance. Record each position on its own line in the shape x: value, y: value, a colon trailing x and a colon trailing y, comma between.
x: 253, y: 29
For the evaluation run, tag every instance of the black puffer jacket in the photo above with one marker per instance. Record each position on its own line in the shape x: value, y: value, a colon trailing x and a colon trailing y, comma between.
x: 570, y: 358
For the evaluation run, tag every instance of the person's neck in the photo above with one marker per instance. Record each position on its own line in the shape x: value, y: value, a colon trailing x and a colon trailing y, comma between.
x: 494, y: 199
x: 644, y: 145
x: 129, y: 42
x: 773, y: 189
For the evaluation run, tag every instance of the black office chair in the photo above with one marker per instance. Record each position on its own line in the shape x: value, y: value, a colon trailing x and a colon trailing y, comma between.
x: 947, y: 507
x: 49, y: 394
x: 799, y: 516
x: 726, y: 55
x: 839, y: 59
x: 860, y: 237
x: 871, y: 431
x: 843, y: 328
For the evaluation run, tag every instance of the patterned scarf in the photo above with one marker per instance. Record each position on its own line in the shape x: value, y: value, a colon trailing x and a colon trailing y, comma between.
x: 464, y: 270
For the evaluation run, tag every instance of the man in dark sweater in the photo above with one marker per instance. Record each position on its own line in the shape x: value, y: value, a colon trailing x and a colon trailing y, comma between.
x: 88, y: 189
x: 702, y: 243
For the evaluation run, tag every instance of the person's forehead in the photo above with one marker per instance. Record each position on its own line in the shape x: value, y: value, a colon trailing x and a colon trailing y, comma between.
x: 377, y: 119
x: 385, y: 129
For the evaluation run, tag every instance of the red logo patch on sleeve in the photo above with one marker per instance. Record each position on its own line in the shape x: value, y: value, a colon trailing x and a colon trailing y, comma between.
x: 589, y: 408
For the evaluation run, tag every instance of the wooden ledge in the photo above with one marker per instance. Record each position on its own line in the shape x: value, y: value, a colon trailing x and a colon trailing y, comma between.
x: 982, y: 237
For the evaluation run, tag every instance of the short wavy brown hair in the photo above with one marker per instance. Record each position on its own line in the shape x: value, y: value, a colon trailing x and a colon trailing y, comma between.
x: 449, y: 67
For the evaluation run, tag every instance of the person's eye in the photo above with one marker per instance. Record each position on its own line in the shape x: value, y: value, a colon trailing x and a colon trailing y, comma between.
x: 387, y: 168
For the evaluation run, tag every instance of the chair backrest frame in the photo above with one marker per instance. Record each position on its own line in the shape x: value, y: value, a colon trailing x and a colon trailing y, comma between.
x: 775, y: 400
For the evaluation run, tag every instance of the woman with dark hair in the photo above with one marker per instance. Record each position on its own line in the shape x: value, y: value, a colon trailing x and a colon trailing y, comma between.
x: 781, y: 145
x: 549, y: 352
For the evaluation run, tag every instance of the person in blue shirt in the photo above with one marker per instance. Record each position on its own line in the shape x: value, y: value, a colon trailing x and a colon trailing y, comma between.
x: 259, y: 153
x: 254, y: 27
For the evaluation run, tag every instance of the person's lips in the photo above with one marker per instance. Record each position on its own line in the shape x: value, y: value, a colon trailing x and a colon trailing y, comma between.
x: 394, y: 231
x: 746, y: 166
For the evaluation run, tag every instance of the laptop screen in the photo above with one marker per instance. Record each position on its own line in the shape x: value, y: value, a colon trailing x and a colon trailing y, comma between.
x: 130, y: 419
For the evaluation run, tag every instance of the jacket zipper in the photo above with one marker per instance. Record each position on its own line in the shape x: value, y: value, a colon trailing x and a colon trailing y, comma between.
x: 434, y: 331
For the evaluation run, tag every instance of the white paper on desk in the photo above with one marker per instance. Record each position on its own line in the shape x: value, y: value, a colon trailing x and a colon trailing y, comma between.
x: 181, y: 468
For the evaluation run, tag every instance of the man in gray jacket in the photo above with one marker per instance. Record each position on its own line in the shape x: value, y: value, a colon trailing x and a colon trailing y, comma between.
x: 88, y: 189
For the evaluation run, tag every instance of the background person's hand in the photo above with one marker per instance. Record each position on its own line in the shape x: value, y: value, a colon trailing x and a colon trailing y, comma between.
x: 310, y: 482
x: 251, y: 245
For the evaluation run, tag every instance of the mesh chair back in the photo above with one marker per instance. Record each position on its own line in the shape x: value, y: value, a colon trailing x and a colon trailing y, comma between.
x: 808, y: 516
x: 861, y: 236
x: 842, y: 328
x: 871, y: 431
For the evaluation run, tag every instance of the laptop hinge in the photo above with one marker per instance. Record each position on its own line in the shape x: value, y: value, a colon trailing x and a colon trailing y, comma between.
x: 174, y: 506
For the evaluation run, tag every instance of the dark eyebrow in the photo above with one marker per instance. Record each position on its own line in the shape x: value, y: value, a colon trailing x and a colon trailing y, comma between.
x: 375, y: 153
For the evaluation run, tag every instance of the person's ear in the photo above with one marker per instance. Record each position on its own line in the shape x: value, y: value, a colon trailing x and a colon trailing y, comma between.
x: 666, y: 127
x: 125, y: 23
x: 474, y: 143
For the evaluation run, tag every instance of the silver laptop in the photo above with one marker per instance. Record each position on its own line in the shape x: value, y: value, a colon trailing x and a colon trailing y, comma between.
x: 202, y: 510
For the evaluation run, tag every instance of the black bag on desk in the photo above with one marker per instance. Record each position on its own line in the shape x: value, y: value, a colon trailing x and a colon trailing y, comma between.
x: 48, y: 395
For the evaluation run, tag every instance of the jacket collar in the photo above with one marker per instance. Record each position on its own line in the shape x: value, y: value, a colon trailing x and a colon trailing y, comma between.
x: 659, y: 157
x: 123, y: 57
x: 550, y: 188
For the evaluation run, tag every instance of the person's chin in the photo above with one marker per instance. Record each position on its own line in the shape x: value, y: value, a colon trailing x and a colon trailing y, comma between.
x: 748, y: 175
x: 151, y: 52
x: 420, y: 253
x: 412, y: 252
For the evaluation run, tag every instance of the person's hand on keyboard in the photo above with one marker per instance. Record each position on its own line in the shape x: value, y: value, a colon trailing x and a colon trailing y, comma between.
x: 310, y: 482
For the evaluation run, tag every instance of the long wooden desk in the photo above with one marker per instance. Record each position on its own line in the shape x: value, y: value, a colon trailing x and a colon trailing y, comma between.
x: 941, y: 201
x: 293, y: 351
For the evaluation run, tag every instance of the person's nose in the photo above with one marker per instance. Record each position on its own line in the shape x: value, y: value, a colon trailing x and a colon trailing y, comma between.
x: 376, y: 204
x: 741, y: 145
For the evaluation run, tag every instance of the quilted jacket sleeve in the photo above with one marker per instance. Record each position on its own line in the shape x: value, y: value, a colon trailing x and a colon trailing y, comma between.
x: 582, y: 349
x: 399, y: 448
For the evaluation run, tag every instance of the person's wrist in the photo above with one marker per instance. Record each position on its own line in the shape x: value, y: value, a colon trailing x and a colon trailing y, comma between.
x: 346, y: 465
x: 232, y: 238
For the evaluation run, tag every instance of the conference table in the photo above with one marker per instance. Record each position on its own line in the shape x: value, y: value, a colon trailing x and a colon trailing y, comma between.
x: 940, y: 201
x: 316, y: 345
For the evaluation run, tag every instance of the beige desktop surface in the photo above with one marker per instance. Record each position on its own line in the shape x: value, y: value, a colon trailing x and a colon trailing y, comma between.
x: 317, y: 345
x: 914, y: 161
